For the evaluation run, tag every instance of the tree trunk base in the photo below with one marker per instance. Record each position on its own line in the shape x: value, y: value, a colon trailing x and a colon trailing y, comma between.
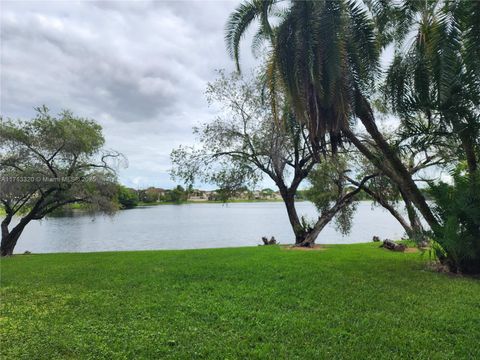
x: 307, y: 243
x: 8, y: 244
x: 6, y: 252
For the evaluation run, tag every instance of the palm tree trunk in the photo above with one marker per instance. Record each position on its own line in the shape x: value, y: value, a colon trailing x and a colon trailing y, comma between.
x: 418, y: 233
x: 400, y: 173
x: 468, y: 147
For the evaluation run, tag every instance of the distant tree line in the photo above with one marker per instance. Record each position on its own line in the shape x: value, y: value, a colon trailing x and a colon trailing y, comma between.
x: 129, y: 198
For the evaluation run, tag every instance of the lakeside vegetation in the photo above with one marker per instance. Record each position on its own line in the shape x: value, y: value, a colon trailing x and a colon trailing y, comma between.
x: 210, y: 202
x: 346, y: 301
x: 129, y: 198
x: 310, y: 111
x: 323, y: 70
x: 311, y: 115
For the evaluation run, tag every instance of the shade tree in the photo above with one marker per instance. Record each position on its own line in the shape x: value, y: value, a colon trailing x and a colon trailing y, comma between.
x: 50, y: 162
x: 246, y: 143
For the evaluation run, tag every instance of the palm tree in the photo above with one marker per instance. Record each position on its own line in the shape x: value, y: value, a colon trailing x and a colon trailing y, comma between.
x: 434, y: 85
x: 322, y: 51
x: 436, y: 70
x: 324, y: 55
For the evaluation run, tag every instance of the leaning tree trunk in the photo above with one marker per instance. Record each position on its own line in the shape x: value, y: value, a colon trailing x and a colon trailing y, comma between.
x: 418, y: 233
x: 322, y: 221
x: 410, y: 230
x: 10, y: 238
x: 326, y: 217
x: 400, y: 173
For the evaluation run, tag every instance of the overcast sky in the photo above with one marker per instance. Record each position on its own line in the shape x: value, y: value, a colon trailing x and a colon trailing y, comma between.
x: 139, y: 68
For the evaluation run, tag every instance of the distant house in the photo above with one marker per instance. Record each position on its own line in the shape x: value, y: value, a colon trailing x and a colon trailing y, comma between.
x: 202, y: 195
x: 198, y: 195
x: 256, y: 195
x: 244, y: 195
x: 151, y: 194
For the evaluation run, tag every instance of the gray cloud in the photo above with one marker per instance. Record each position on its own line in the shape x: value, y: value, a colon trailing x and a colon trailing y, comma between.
x: 138, y: 67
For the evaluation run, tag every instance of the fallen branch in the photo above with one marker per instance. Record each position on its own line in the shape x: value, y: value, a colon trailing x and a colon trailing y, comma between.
x: 391, y: 245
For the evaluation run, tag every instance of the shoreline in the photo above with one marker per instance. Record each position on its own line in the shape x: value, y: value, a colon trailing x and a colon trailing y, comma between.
x: 188, y: 202
x: 99, y: 252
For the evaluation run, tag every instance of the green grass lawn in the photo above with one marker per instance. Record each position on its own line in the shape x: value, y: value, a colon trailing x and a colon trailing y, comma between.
x: 349, y: 301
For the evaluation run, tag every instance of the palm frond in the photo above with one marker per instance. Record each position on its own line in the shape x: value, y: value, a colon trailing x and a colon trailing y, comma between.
x: 240, y: 20
x: 237, y: 24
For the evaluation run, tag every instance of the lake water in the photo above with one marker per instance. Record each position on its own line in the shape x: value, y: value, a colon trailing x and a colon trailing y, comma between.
x: 193, y: 226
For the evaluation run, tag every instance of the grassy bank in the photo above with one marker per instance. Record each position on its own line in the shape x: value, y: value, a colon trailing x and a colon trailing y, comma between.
x: 350, y: 301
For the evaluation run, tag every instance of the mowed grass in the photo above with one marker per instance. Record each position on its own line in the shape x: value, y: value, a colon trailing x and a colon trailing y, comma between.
x: 346, y: 302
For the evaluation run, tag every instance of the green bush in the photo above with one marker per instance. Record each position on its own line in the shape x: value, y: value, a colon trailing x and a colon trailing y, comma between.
x: 457, y: 240
x: 127, y: 198
x: 176, y: 195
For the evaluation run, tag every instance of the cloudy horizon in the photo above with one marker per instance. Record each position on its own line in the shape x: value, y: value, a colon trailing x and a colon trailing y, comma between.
x: 139, y: 68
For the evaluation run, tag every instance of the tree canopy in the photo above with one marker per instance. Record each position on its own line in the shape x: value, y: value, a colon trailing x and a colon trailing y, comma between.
x: 324, y: 57
x: 50, y: 162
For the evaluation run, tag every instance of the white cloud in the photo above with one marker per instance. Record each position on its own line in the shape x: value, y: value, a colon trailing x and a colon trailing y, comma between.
x: 138, y: 67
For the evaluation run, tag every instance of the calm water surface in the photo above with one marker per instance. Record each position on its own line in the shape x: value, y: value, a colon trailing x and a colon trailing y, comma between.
x: 193, y: 226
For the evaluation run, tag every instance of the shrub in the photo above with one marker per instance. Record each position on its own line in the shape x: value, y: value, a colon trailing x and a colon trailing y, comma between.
x: 127, y: 198
x: 457, y: 240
